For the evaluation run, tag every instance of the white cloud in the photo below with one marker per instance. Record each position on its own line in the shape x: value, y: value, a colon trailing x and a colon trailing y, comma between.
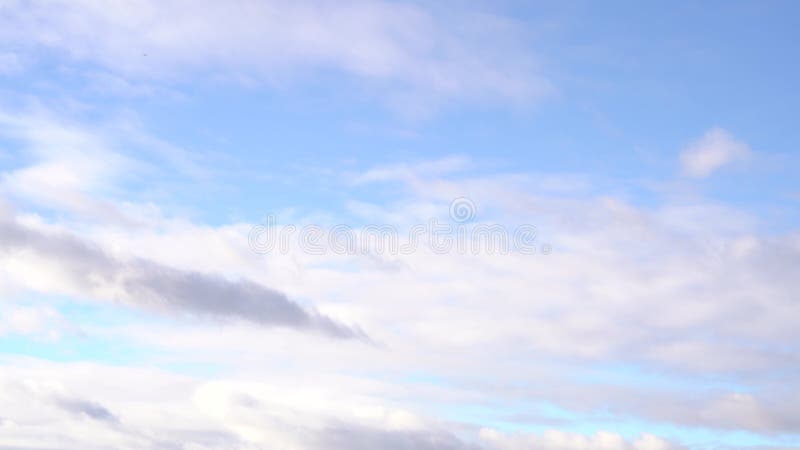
x: 91, y: 406
x: 410, y: 172
x: 527, y: 321
x: 560, y: 440
x: 689, y: 307
x: 60, y: 262
x: 625, y: 285
x: 715, y: 149
x: 34, y: 321
x: 80, y: 405
x: 72, y: 167
x: 67, y: 166
x: 416, y: 57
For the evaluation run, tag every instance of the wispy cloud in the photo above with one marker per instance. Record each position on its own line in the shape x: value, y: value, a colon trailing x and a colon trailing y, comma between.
x: 714, y: 150
x: 417, y: 58
x: 85, y: 169
x: 76, y: 266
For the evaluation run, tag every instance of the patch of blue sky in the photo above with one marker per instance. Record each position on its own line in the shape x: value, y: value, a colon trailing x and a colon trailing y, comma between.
x: 639, y: 376
x: 264, y: 136
x: 72, y: 348
x: 83, y: 336
x: 70, y: 342
x: 539, y: 416
x: 273, y: 143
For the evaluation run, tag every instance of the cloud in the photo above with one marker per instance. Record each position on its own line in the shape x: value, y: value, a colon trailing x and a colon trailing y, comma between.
x: 35, y: 321
x: 321, y: 419
x: 410, y: 172
x: 560, y: 440
x: 715, y: 149
x: 415, y: 56
x: 72, y: 167
x: 153, y: 412
x: 75, y: 406
x: 363, y: 438
x: 88, y: 408
x: 78, y: 267
x: 66, y: 173
x: 698, y: 302
x: 10, y: 63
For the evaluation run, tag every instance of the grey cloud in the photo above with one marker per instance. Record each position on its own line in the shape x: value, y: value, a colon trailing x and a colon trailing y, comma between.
x: 35, y: 424
x: 155, y: 286
x: 90, y: 409
x: 353, y: 437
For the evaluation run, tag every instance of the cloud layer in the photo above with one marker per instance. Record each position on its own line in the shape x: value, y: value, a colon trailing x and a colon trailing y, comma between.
x: 415, y: 57
x: 73, y: 266
x: 650, y: 315
x: 145, y: 408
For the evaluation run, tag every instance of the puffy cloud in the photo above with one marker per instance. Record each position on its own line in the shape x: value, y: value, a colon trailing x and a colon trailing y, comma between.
x: 715, y: 149
x: 143, y: 408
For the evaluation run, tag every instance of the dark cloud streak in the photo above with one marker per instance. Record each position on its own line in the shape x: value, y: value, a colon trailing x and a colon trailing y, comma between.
x: 156, y: 286
x: 90, y: 409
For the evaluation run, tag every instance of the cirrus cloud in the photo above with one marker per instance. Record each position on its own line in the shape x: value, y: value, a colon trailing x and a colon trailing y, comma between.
x: 415, y: 57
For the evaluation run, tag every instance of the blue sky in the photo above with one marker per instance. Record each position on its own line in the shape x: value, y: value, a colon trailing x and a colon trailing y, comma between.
x: 653, y: 147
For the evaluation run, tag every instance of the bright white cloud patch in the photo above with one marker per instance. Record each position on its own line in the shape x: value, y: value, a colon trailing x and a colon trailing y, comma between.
x: 715, y: 149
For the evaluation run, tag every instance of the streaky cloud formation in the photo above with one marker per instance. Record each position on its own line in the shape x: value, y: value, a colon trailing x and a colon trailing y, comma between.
x: 418, y: 58
x: 91, y: 409
x: 84, y: 267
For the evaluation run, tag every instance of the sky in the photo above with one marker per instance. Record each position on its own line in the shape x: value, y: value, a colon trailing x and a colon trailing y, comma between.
x: 394, y: 225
